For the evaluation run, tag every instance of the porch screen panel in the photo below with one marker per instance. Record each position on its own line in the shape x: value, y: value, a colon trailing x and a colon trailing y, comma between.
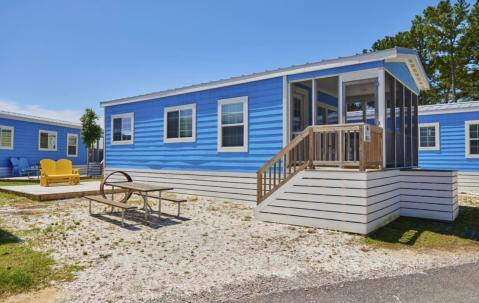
x: 399, y: 116
x: 390, y: 122
x: 415, y: 125
x: 407, y: 128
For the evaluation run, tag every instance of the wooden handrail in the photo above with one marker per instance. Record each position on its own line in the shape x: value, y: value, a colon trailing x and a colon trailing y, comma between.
x: 338, y: 145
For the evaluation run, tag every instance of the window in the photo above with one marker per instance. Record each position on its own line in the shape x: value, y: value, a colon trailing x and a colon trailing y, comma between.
x: 47, y: 140
x: 233, y: 125
x: 429, y: 136
x: 122, y: 129
x: 6, y: 137
x: 472, y: 139
x: 72, y: 145
x: 180, y: 123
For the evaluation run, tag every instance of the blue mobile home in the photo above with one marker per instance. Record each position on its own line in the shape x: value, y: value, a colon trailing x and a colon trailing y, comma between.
x: 35, y: 138
x: 283, y: 139
x: 449, y: 139
x: 230, y: 128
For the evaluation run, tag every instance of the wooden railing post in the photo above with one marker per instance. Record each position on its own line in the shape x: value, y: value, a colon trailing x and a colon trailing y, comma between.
x: 341, y: 149
x: 259, y: 189
x: 311, y: 148
x: 362, y: 150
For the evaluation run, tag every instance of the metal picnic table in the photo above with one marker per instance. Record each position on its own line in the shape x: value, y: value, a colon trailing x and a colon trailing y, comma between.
x: 130, y: 187
x: 142, y: 189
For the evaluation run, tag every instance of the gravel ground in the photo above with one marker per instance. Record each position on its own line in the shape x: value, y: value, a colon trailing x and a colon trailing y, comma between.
x: 218, y: 252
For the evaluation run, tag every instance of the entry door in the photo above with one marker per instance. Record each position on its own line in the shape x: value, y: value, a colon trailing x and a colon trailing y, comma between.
x: 300, y: 111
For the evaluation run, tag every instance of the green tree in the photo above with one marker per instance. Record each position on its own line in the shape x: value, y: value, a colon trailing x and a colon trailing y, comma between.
x: 471, y: 51
x: 446, y: 25
x: 442, y: 35
x: 91, y: 130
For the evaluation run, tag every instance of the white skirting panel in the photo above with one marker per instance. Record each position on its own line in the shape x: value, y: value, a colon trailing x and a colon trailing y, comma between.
x: 234, y: 186
x: 361, y: 202
x: 468, y: 182
x: 429, y: 194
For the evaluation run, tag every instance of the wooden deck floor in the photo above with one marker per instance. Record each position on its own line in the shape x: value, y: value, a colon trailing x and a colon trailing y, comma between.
x: 57, y: 192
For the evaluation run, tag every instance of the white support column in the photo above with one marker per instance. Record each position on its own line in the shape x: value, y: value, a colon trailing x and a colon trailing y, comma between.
x: 313, y: 102
x: 285, y: 111
x: 104, y: 138
x: 341, y: 102
x: 382, y: 108
x: 289, y: 111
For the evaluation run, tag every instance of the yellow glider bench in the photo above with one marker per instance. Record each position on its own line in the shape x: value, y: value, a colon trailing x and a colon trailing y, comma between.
x: 60, y: 171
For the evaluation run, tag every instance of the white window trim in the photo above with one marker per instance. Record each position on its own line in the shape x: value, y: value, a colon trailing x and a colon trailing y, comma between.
x: 193, y: 121
x: 76, y: 152
x: 467, y: 137
x: 13, y: 136
x: 125, y: 115
x: 234, y: 149
x: 437, y: 138
x: 48, y: 132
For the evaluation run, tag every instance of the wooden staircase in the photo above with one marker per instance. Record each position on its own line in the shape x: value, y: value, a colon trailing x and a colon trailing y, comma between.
x: 356, y: 146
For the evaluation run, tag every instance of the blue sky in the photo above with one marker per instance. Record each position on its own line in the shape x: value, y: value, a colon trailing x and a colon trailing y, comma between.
x: 59, y: 57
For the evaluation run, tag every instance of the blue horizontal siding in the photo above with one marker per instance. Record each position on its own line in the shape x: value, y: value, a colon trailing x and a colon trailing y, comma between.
x: 401, y: 72
x: 148, y: 151
x: 452, y: 143
x: 25, y: 143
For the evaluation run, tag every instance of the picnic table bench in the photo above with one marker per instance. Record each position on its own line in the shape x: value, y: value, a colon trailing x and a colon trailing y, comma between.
x: 178, y: 202
x: 123, y: 206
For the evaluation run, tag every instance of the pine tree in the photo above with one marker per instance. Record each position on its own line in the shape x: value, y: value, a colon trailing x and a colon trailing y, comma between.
x: 446, y: 38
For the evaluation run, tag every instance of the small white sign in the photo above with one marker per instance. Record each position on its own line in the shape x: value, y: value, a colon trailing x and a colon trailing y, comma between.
x: 367, y: 133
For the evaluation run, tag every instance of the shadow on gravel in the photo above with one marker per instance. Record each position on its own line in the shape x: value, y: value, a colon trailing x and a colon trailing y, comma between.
x: 135, y: 218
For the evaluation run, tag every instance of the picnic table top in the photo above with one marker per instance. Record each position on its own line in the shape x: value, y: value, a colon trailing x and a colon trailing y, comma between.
x: 139, y: 186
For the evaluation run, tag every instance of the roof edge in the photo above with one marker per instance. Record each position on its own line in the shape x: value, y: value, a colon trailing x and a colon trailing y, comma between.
x: 35, y: 119
x: 392, y: 53
x: 448, y: 108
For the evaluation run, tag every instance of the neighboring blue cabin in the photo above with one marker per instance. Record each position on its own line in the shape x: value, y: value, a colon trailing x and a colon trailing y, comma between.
x: 219, y: 134
x: 449, y: 136
x: 34, y: 138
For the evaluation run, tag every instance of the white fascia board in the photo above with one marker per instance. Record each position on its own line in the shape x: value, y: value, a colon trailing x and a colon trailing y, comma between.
x: 415, y: 68
x: 451, y: 108
x: 33, y: 119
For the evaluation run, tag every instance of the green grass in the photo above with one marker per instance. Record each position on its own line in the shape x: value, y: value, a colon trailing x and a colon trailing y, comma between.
x: 424, y: 234
x: 23, y: 269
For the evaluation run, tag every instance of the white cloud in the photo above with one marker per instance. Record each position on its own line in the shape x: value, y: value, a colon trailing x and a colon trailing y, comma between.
x: 40, y: 111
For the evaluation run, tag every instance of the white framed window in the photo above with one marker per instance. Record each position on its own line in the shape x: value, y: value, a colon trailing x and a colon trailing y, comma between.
x: 233, y: 125
x: 122, y: 128
x: 72, y: 145
x: 180, y: 123
x: 47, y: 140
x: 6, y: 137
x: 472, y: 138
x: 429, y: 136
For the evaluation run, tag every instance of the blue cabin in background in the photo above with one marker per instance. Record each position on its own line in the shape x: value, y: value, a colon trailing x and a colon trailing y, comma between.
x: 449, y: 139
x: 211, y: 139
x: 35, y: 138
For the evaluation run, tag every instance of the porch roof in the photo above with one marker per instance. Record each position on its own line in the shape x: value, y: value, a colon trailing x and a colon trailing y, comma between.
x: 397, y: 54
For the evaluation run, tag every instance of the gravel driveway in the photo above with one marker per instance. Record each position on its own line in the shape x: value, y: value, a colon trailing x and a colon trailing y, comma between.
x: 217, y: 252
